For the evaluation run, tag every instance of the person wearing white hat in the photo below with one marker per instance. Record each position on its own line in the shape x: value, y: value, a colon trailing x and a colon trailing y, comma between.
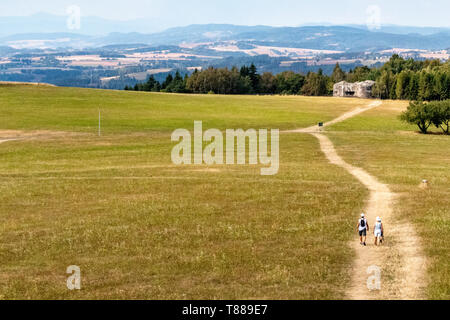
x: 378, y: 231
x: 362, y: 227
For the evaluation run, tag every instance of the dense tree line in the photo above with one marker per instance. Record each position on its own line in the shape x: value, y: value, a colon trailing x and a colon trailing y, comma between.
x: 399, y: 78
x: 405, y: 79
x: 245, y: 80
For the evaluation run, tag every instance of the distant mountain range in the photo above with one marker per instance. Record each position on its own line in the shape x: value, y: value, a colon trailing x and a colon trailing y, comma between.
x: 50, y: 31
x: 95, y: 26
x: 340, y: 38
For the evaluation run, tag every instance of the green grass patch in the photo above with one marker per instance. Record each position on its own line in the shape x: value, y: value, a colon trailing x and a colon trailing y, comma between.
x: 74, y: 109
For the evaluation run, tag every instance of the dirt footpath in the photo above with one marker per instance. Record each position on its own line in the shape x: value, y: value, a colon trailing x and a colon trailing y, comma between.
x: 400, y: 259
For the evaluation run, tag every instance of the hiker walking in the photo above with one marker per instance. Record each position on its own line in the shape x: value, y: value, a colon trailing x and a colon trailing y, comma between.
x: 378, y: 231
x: 363, y: 227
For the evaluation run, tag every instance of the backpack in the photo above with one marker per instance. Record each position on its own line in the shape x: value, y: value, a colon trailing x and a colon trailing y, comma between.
x: 362, y: 223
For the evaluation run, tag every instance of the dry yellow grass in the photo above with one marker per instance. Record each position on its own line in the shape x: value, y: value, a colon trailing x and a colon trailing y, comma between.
x: 140, y: 227
x: 402, y: 158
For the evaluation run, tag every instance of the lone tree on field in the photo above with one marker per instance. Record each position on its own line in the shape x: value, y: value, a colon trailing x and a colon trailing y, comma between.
x: 419, y: 113
x: 426, y: 114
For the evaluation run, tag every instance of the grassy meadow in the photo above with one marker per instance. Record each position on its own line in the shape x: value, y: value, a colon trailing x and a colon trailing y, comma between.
x: 140, y: 227
x: 76, y: 110
x: 395, y: 153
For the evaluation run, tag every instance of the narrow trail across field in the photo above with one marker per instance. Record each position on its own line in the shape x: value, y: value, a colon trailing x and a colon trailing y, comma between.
x: 400, y: 259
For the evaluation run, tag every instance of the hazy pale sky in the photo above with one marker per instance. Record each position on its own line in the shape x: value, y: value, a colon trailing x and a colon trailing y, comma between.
x: 246, y: 12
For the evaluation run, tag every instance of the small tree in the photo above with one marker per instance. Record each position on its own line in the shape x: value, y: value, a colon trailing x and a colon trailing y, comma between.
x: 419, y: 113
x: 167, y: 82
x: 441, y: 115
x: 338, y: 74
x: 315, y: 84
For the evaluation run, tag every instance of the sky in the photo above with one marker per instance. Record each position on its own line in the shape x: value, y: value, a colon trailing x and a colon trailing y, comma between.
x: 247, y: 12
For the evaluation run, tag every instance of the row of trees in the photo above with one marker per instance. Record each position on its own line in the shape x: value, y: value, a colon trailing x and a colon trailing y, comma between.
x: 397, y: 79
x: 427, y: 84
x: 248, y: 81
x: 175, y: 84
x: 426, y: 114
x: 245, y: 80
